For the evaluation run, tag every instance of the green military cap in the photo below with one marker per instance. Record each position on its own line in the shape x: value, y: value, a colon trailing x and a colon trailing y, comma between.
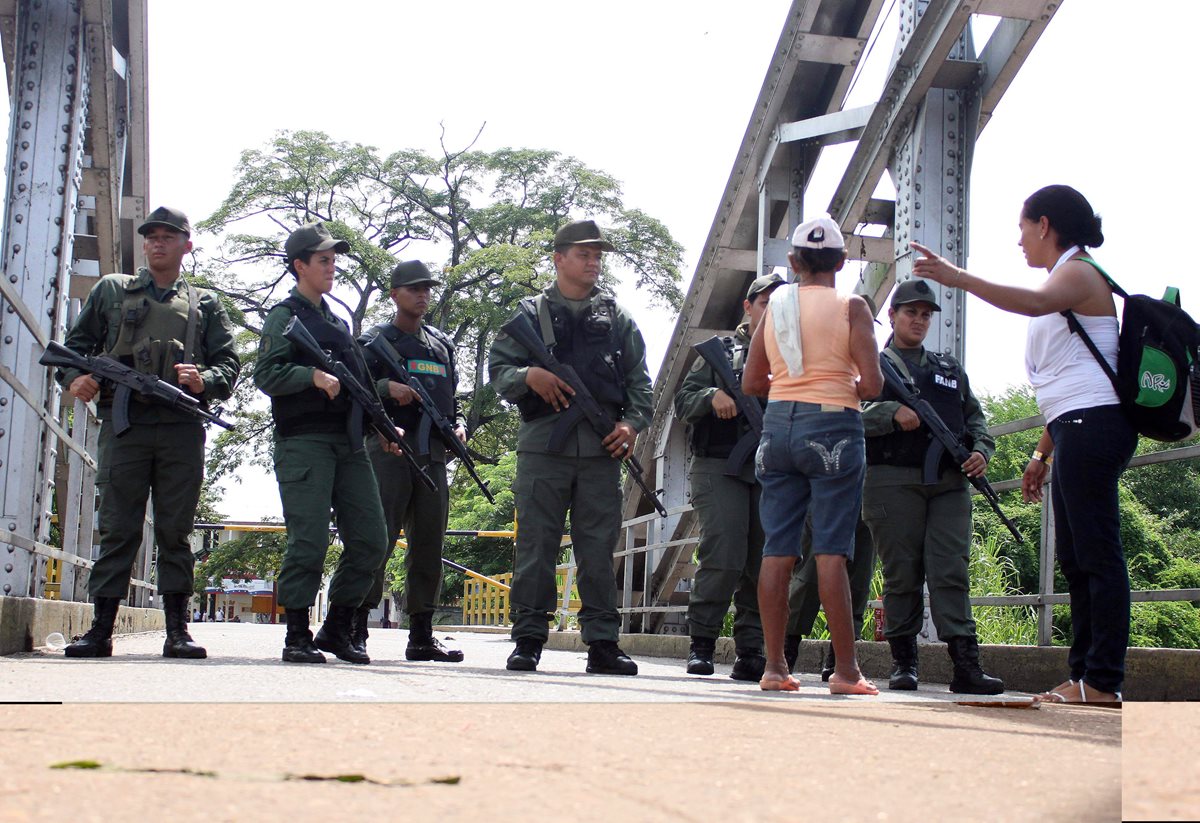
x: 412, y: 272
x: 173, y: 219
x: 761, y: 284
x: 312, y: 237
x: 915, y: 291
x: 581, y: 232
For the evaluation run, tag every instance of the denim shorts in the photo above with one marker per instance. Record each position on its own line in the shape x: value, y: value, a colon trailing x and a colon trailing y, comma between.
x: 810, y: 462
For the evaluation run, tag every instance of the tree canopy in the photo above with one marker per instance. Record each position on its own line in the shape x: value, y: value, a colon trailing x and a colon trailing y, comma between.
x: 483, y: 219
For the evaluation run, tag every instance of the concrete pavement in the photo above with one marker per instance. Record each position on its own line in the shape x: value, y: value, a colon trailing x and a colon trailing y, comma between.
x: 244, y: 666
x: 243, y: 736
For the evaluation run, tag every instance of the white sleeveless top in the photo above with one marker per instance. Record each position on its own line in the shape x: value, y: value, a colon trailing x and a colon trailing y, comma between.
x: 1062, y: 370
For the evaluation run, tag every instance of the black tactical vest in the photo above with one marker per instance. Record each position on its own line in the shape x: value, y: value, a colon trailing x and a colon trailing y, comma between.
x: 311, y: 411
x: 940, y: 383
x: 711, y: 436
x: 431, y: 364
x: 588, y: 342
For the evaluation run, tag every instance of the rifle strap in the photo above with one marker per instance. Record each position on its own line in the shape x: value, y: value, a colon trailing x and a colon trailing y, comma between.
x: 193, y: 322
x: 545, y: 321
x: 898, y: 362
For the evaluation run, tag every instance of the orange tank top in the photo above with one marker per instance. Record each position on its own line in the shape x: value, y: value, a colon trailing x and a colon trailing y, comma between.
x: 829, y: 373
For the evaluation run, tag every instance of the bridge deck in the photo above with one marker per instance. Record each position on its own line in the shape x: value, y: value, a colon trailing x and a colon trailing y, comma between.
x: 244, y: 666
x: 558, y: 743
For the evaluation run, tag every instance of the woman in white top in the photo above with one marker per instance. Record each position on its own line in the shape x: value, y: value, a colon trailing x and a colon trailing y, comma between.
x: 1086, y: 432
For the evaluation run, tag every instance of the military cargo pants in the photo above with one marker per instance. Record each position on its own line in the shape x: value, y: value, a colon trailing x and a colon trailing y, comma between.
x: 804, y: 600
x: 410, y: 505
x: 546, y: 487
x: 167, y: 458
x: 923, y: 536
x: 315, y: 473
x: 729, y: 553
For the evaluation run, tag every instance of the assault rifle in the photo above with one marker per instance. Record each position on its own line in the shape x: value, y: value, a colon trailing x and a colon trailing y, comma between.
x: 126, y: 381
x: 521, y: 330
x: 714, y: 353
x: 943, y: 441
x: 366, y: 402
x: 432, y: 416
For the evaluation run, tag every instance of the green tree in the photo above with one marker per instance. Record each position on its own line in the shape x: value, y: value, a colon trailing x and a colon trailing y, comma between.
x: 487, y: 216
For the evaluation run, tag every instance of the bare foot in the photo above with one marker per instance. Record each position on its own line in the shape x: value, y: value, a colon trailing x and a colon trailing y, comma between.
x: 774, y: 682
x: 839, y: 684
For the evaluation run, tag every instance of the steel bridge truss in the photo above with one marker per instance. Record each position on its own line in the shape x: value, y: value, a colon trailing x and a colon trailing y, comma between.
x: 76, y: 188
x: 939, y: 93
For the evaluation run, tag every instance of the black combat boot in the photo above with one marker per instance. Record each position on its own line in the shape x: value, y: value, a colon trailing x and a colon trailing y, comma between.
x: 830, y: 665
x: 606, y: 657
x: 358, y: 631
x: 97, y: 642
x: 791, y: 651
x: 904, y: 664
x: 179, y: 643
x: 422, y: 645
x: 298, y: 645
x: 526, y: 656
x: 700, y: 655
x: 334, y: 635
x: 749, y: 665
x: 969, y: 677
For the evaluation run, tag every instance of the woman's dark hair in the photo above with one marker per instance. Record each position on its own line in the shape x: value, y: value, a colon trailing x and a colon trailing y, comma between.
x: 304, y: 257
x: 815, y: 261
x: 1069, y: 213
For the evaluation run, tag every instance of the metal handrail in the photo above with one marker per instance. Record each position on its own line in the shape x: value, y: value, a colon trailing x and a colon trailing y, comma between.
x: 1042, y: 602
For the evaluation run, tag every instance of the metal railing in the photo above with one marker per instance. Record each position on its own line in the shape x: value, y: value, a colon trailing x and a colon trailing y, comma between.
x: 644, y: 535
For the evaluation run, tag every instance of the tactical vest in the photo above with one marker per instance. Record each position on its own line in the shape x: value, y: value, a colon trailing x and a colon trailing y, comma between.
x: 940, y: 383
x: 430, y: 364
x: 155, y: 336
x: 590, y: 344
x: 311, y: 411
x: 711, y: 436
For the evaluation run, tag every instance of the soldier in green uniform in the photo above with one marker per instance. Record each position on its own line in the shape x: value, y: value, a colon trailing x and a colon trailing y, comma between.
x: 317, y: 464
x: 428, y: 354
x: 585, y: 328
x: 158, y: 323
x: 923, y: 532
x: 726, y: 502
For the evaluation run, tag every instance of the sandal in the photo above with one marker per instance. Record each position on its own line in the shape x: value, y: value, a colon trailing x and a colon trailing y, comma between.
x: 1068, y: 696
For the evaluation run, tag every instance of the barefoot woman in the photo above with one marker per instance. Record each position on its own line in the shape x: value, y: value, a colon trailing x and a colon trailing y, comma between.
x: 1087, y: 434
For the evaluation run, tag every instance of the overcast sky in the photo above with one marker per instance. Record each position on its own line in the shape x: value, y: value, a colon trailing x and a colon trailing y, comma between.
x: 658, y: 95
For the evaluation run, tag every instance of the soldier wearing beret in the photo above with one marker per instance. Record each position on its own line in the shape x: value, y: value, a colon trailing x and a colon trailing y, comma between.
x: 317, y: 464
x: 158, y: 323
x: 585, y: 328
x: 923, y: 531
x: 725, y: 499
x: 428, y: 354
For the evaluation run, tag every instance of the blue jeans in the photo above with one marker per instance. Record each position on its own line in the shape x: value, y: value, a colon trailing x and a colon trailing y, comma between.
x: 1091, y: 449
x: 810, y: 459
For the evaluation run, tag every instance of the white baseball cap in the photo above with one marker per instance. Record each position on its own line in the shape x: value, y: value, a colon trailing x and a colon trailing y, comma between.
x: 818, y: 233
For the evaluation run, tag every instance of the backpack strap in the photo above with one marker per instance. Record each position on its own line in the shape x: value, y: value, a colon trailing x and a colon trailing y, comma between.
x: 1112, y: 284
x: 1074, y: 325
x: 1077, y: 328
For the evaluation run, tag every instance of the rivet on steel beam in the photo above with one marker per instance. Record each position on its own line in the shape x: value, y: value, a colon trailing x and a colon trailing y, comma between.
x: 8, y: 339
x: 12, y: 278
x: 20, y: 218
x: 28, y: 105
x: 25, y: 124
x: 24, y: 145
x: 29, y: 85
